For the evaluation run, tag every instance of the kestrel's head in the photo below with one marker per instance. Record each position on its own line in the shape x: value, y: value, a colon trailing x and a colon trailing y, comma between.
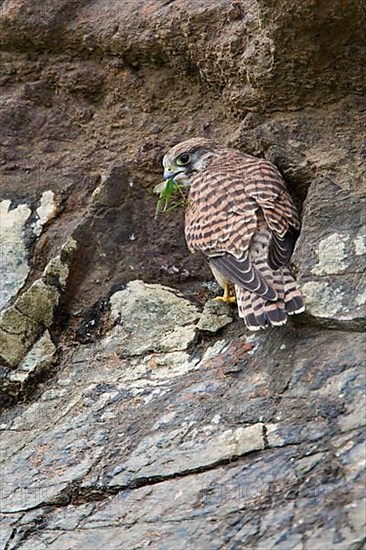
x: 187, y: 158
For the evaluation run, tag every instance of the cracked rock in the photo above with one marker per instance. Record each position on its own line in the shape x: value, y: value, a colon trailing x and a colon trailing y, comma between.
x: 215, y: 316
x: 150, y: 318
x: 287, y: 435
x: 14, y: 221
x: 22, y: 323
x: 38, y: 359
x: 330, y: 255
x: 14, y: 266
x: 211, y: 446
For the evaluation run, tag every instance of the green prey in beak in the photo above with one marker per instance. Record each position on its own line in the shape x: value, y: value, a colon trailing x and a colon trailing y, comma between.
x: 171, y: 195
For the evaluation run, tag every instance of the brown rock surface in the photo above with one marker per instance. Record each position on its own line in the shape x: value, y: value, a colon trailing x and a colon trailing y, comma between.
x: 150, y: 430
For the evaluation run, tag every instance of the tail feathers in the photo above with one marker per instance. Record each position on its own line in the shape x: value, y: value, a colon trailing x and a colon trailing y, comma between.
x: 276, y: 311
x: 251, y: 308
x: 259, y: 313
x: 294, y: 302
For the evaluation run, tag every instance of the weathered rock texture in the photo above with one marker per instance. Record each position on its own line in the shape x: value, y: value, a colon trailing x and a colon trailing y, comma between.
x: 133, y: 414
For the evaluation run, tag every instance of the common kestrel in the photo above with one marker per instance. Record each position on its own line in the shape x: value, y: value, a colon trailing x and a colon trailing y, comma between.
x: 242, y: 218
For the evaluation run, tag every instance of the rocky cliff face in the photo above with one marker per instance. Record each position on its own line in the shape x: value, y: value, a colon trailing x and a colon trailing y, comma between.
x: 135, y: 411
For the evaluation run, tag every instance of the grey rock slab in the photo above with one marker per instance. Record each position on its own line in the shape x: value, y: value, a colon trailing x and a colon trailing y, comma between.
x: 14, y: 266
x: 5, y: 535
x: 330, y: 255
x: 157, y: 369
x: 176, y: 451
x: 24, y: 322
x: 150, y: 318
x: 38, y: 303
x: 67, y: 518
x: 43, y: 469
x: 38, y: 359
x: 215, y: 316
x: 97, y: 433
x: 8, y: 526
x: 261, y: 502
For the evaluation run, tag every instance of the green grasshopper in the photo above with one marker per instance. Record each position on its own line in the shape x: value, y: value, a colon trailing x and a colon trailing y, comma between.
x: 168, y: 191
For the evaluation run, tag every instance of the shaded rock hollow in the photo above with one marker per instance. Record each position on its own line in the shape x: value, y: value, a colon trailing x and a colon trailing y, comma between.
x: 127, y: 433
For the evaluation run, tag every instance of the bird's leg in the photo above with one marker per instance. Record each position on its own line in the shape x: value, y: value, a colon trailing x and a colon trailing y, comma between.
x: 226, y: 298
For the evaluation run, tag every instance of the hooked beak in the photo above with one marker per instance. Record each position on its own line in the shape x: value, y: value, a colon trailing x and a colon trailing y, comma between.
x: 169, y: 174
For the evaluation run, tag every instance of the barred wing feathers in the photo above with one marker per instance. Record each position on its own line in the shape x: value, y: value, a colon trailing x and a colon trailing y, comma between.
x: 241, y: 216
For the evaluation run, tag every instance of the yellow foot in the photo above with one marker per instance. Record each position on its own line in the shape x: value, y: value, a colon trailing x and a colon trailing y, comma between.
x: 226, y: 298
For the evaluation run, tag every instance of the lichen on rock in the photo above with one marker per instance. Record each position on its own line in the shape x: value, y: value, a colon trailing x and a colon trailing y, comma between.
x: 151, y: 318
x: 14, y: 262
x: 330, y: 266
x: 214, y: 317
x: 23, y: 322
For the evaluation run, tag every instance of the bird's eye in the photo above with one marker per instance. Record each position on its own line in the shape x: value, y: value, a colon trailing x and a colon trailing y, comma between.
x: 183, y: 159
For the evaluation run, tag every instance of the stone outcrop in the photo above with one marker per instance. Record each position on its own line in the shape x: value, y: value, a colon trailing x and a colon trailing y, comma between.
x: 137, y: 411
x: 252, y: 442
x: 332, y: 249
x: 26, y: 349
